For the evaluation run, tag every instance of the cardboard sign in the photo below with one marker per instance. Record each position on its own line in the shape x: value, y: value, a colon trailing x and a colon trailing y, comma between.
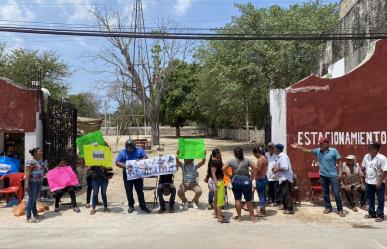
x: 163, y: 165
x: 191, y: 148
x: 97, y: 155
x: 94, y: 138
x: 61, y: 177
x: 9, y: 165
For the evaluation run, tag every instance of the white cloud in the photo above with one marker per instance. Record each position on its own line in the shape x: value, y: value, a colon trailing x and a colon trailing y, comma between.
x: 181, y: 7
x: 12, y: 11
x: 76, y: 10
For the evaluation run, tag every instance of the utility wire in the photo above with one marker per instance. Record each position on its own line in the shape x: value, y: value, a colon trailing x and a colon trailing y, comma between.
x: 199, y: 36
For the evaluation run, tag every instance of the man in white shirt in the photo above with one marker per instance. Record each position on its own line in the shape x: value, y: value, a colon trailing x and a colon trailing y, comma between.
x: 274, y: 189
x: 375, y: 165
x: 284, y: 174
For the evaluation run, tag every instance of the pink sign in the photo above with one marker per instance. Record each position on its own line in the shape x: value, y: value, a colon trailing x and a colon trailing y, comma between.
x: 61, y: 177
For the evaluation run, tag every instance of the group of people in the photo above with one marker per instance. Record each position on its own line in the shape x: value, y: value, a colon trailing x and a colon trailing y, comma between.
x: 272, y: 173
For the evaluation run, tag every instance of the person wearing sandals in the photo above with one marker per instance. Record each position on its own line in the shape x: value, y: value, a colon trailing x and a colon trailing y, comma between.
x: 34, y: 176
x: 327, y: 158
x: 241, y: 182
x: 284, y: 173
x: 261, y: 180
x: 70, y: 190
x: 375, y: 165
x: 100, y: 180
x: 353, y: 181
x: 215, y: 177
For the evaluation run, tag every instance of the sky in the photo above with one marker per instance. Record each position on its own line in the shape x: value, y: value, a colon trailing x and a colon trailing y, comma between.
x: 74, y: 50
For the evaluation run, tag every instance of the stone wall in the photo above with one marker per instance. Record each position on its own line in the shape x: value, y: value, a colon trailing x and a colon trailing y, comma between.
x: 361, y: 16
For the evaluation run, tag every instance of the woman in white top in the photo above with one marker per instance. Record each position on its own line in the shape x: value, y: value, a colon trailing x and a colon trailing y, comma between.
x: 375, y: 170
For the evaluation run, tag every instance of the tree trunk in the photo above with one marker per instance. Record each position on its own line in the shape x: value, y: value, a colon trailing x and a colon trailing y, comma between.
x: 155, y: 131
x: 177, y: 131
x: 247, y: 122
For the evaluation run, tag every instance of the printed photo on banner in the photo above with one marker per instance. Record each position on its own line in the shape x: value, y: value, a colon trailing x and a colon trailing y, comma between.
x: 162, y: 165
x: 8, y: 165
x: 97, y: 155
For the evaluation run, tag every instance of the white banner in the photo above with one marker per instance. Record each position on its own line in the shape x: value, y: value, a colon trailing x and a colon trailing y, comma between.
x: 163, y: 165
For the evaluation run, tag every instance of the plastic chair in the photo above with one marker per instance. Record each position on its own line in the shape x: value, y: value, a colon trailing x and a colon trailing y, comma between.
x: 15, y: 186
x: 314, y: 180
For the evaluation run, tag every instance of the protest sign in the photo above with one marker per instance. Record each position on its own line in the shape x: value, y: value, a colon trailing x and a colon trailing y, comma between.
x: 191, y: 148
x: 61, y: 177
x: 8, y: 165
x: 97, y: 155
x: 163, y: 165
x: 94, y: 138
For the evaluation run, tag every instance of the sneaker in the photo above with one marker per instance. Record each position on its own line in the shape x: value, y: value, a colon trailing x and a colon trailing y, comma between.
x: 87, y: 205
x: 171, y: 209
x: 146, y: 210
x: 185, y: 205
x: 76, y: 209
x: 130, y: 210
x: 31, y: 220
x: 327, y: 211
x: 195, y: 204
x: 161, y: 210
x: 341, y: 214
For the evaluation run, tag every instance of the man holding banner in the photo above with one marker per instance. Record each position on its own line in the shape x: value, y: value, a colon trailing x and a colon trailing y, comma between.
x: 131, y: 152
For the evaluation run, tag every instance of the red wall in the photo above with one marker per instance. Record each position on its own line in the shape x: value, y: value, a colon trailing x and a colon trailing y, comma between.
x: 353, y: 103
x: 18, y: 108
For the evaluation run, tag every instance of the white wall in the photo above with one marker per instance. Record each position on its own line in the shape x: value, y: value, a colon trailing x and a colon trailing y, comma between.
x: 33, y: 139
x: 278, y: 116
x: 337, y: 69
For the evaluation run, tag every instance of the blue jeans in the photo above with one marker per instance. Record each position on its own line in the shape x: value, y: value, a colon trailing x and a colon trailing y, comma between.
x: 98, y: 183
x: 261, y: 189
x: 334, y: 183
x: 370, y: 194
x: 33, y: 193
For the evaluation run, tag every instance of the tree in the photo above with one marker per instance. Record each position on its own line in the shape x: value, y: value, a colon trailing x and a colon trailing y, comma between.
x: 87, y: 104
x: 179, y: 104
x: 146, y: 80
x: 236, y: 76
x: 26, y: 66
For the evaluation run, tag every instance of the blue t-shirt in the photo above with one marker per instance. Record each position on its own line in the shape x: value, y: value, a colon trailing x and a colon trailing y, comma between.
x: 124, y: 155
x: 327, y: 161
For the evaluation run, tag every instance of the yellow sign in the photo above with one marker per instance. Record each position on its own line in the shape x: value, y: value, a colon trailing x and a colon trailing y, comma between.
x: 97, y: 155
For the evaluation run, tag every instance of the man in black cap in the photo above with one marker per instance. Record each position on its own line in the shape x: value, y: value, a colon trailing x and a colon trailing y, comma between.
x: 131, y: 152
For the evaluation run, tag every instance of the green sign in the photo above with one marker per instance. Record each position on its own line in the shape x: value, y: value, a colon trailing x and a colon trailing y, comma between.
x: 191, y: 148
x: 94, y: 138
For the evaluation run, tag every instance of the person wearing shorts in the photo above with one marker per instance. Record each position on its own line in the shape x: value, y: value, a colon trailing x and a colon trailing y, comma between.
x: 241, y: 182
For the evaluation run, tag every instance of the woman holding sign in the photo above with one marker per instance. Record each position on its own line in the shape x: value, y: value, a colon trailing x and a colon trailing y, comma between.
x: 68, y: 189
x: 241, y: 182
x: 100, y: 181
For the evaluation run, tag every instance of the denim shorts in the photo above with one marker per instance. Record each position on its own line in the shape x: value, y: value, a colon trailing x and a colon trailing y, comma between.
x: 242, y: 185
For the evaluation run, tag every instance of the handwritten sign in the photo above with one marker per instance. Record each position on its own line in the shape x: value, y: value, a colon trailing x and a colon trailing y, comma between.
x: 191, y: 148
x: 97, y: 155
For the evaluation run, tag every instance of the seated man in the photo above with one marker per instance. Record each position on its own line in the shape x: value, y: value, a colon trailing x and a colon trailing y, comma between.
x: 166, y: 187
x: 353, y: 180
x: 190, y: 173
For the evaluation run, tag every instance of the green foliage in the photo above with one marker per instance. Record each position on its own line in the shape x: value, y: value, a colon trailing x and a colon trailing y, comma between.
x: 25, y: 66
x: 236, y: 74
x: 179, y: 103
x: 87, y: 104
